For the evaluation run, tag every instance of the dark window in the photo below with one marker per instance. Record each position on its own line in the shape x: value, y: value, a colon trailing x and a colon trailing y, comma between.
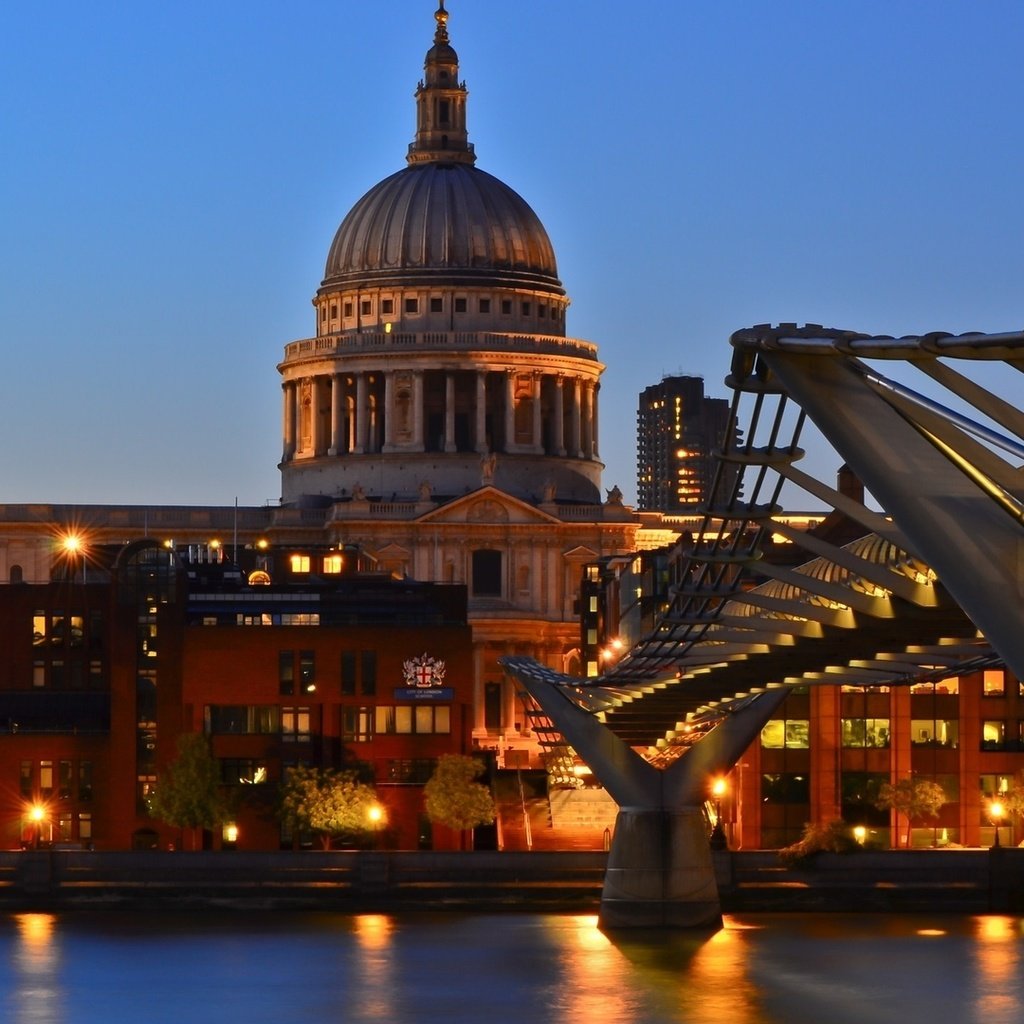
x: 460, y: 305
x: 492, y: 706
x: 859, y: 791
x: 85, y: 781
x: 412, y: 771
x: 506, y: 306
x: 526, y: 309
x: 786, y: 788
x: 412, y: 305
x: 444, y: 111
x: 485, y: 305
x: 348, y: 673
x: 242, y: 719
x: 334, y: 310
x: 542, y: 311
x: 347, y: 309
x: 65, y: 780
x: 286, y: 671
x: 307, y: 671
x: 364, y: 307
x: 437, y: 305
x: 25, y: 778
x: 486, y: 573
x: 369, y: 667
x: 387, y: 306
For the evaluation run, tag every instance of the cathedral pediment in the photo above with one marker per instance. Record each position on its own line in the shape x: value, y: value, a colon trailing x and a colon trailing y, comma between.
x: 580, y: 553
x: 488, y: 505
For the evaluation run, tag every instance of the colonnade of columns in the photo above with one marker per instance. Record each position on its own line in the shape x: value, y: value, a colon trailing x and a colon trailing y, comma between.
x: 512, y: 411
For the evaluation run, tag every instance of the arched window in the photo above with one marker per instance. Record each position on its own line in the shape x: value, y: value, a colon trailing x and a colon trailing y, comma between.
x: 17, y: 576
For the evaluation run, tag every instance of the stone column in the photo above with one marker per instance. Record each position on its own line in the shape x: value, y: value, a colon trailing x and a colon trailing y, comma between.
x: 576, y: 440
x: 389, y: 410
x: 316, y: 420
x: 449, y: 412
x: 595, y: 446
x: 587, y: 429
x: 417, y: 410
x: 337, y: 415
x: 289, y: 420
x: 510, y: 410
x: 538, y: 438
x: 560, y: 415
x: 362, y: 411
x: 481, y: 411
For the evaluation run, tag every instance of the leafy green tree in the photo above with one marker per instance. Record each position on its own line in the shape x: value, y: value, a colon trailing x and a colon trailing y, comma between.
x: 329, y: 802
x: 454, y: 797
x: 911, y: 799
x: 188, y: 793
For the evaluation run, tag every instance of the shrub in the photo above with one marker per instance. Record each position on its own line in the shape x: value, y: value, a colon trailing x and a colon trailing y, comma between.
x: 825, y: 837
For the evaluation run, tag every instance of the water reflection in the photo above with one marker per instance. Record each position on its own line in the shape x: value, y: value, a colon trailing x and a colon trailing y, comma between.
x: 35, y: 995
x: 507, y: 969
x: 997, y: 963
x: 372, y: 980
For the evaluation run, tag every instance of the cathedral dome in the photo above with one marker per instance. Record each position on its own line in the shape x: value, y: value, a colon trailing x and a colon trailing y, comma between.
x: 437, y: 222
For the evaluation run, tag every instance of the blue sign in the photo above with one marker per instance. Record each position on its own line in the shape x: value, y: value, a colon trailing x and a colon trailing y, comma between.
x: 424, y: 693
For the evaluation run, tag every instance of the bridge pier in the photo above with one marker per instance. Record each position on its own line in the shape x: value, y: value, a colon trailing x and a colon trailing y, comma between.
x: 660, y: 873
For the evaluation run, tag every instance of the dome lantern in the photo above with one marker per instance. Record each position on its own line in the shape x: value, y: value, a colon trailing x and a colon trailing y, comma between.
x: 441, y: 135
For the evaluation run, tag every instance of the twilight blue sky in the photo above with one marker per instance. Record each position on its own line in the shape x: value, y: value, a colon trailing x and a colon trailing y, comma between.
x: 171, y: 176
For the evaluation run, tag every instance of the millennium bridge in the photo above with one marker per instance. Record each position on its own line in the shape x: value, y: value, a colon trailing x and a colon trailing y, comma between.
x: 933, y: 587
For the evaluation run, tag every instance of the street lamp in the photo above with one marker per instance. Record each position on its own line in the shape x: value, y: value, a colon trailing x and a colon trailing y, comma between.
x: 375, y: 816
x: 37, y: 814
x: 718, y: 840
x: 996, y: 810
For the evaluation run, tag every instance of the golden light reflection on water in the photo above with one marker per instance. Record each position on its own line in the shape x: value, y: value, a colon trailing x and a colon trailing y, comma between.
x: 998, y: 965
x: 625, y: 977
x: 37, y: 992
x: 374, y: 982
x: 718, y: 980
x: 595, y: 974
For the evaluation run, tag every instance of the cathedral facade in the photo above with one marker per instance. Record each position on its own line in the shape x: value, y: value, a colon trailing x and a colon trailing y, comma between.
x: 439, y: 419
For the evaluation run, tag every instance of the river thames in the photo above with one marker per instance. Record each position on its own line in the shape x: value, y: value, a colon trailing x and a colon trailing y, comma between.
x: 514, y: 967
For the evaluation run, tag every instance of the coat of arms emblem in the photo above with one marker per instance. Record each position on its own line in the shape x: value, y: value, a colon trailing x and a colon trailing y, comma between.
x: 423, y: 672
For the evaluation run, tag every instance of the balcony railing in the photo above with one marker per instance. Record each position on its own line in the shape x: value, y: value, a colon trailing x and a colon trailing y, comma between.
x: 454, y: 341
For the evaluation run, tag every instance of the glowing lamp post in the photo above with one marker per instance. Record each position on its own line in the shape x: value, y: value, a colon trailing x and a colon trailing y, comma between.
x: 37, y: 814
x: 375, y: 816
x: 718, y: 840
x: 996, y: 812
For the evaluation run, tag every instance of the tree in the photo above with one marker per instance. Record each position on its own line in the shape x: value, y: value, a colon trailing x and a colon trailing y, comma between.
x: 329, y: 802
x: 188, y: 793
x: 912, y: 800
x: 454, y: 797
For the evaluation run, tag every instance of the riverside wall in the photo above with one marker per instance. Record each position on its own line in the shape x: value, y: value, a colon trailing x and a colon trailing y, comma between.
x: 953, y: 881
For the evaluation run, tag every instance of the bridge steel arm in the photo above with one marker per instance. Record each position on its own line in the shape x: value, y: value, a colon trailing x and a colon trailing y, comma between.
x: 971, y: 540
x: 660, y: 872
